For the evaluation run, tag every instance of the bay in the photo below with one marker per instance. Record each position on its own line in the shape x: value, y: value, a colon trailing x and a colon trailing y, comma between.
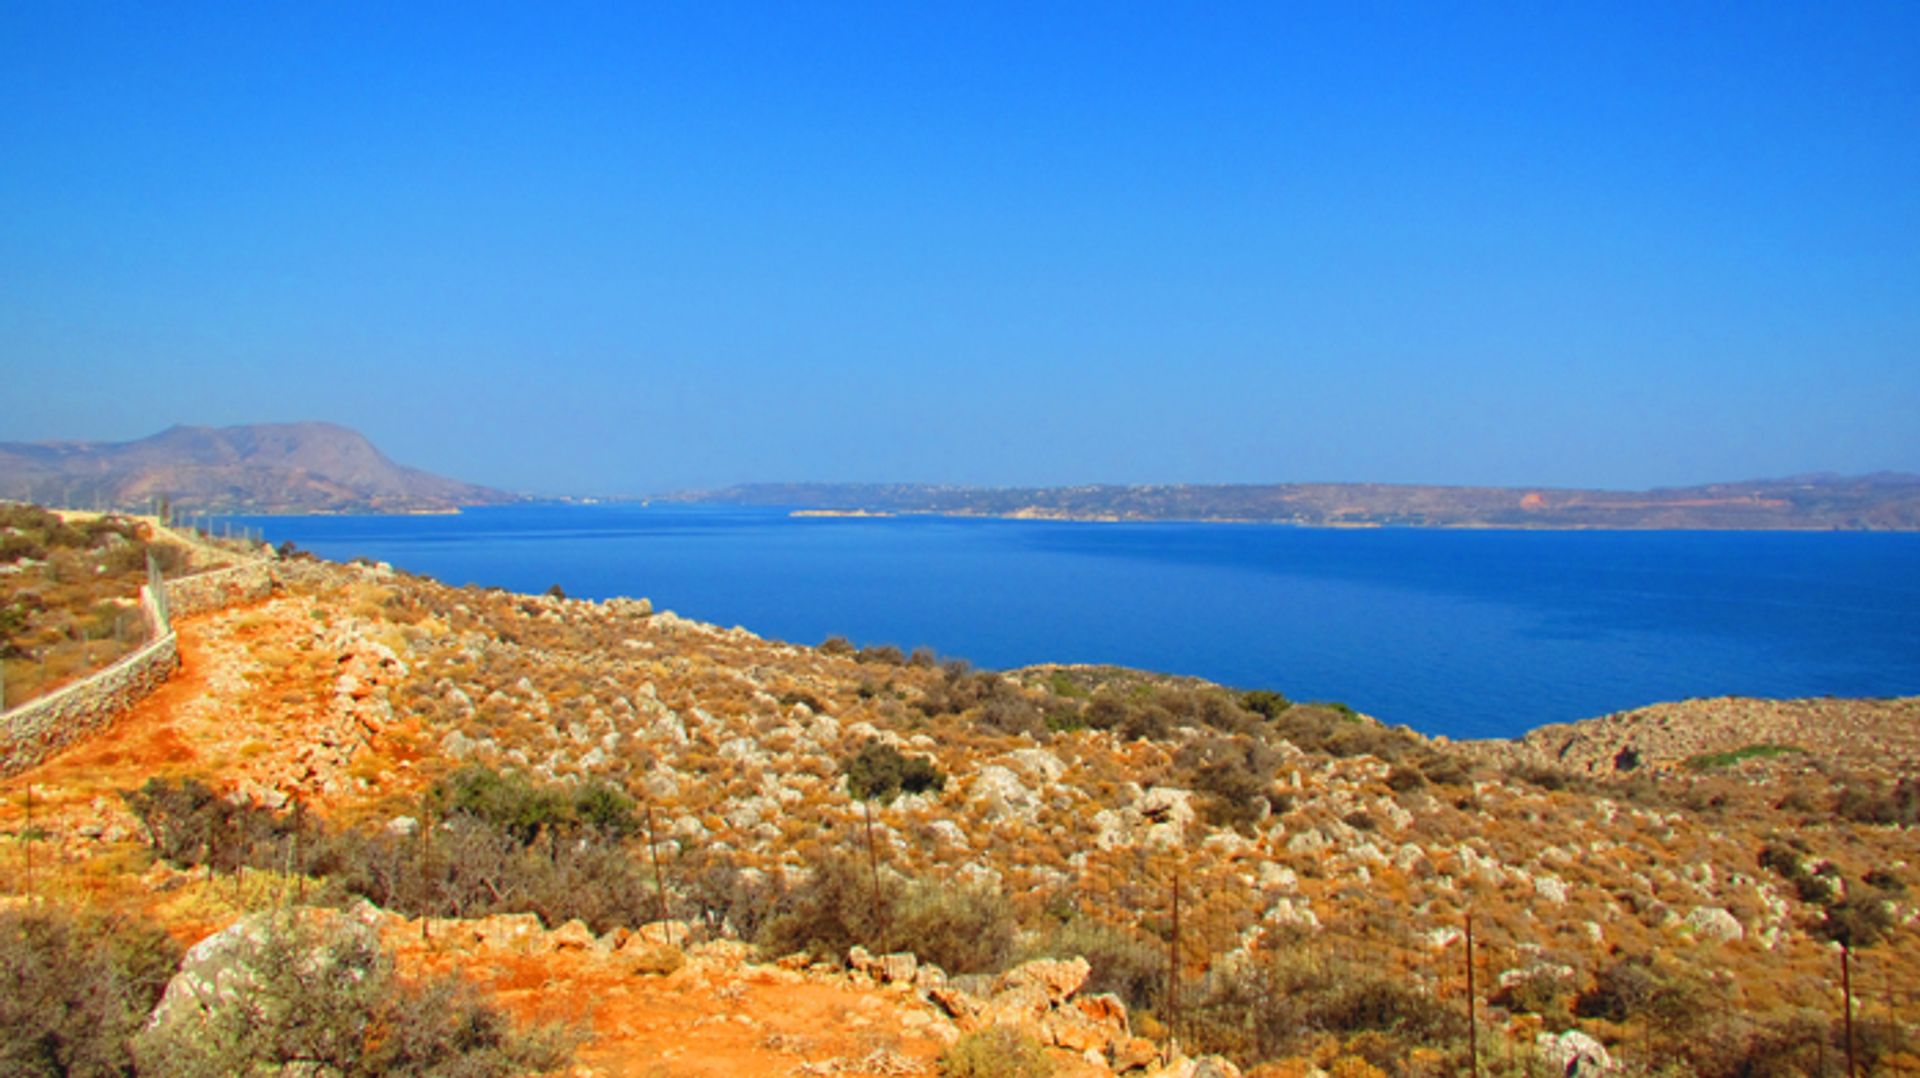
x: 1463, y: 633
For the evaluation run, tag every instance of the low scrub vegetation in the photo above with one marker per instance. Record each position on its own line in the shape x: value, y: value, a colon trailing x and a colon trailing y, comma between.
x: 836, y: 903
x: 1709, y: 761
x: 68, y: 595
x: 500, y: 844
x: 75, y: 990
x: 996, y: 1052
x: 879, y: 772
x: 308, y: 1004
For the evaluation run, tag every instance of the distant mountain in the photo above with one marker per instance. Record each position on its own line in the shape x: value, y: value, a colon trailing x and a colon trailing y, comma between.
x: 1881, y: 502
x: 261, y: 468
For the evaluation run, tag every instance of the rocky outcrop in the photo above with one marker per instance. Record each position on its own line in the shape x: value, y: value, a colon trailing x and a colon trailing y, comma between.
x: 224, y: 976
x: 1041, y: 999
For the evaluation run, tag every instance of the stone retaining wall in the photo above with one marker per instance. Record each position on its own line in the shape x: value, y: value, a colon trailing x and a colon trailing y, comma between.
x: 201, y: 592
x: 43, y: 726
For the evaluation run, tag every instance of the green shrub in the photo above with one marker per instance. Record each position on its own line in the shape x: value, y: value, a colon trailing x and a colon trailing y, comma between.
x: 880, y: 772
x: 1265, y: 702
x: 508, y: 802
x: 1709, y: 761
x: 187, y: 823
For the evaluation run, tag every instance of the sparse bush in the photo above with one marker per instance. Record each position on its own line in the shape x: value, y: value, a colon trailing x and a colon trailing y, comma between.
x: 1265, y: 702
x: 1150, y: 723
x: 1232, y: 774
x: 960, y: 929
x: 1279, y: 1004
x: 1884, y: 880
x: 1783, y: 859
x: 1636, y: 987
x: 1009, y: 712
x: 835, y: 907
x: 1856, y: 922
x: 187, y: 823
x: 1546, y: 992
x: 1813, y: 888
x: 1129, y: 966
x: 1404, y: 778
x: 879, y: 772
x: 995, y: 1052
x: 336, y: 1007
x: 504, y: 846
x: 74, y: 992
x: 882, y: 654
x: 1899, y: 804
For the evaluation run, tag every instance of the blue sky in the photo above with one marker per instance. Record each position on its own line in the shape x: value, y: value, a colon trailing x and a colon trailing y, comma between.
x: 577, y: 248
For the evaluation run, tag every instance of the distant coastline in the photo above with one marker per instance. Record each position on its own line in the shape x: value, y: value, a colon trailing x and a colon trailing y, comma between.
x: 1881, y: 502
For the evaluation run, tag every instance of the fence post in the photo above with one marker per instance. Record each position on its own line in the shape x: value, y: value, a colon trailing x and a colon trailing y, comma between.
x: 659, y: 881
x: 873, y: 858
x: 1473, y: 1026
x: 1173, y: 961
x: 1846, y: 990
x: 28, y: 836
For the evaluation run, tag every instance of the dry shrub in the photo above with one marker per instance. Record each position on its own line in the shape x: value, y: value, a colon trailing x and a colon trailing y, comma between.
x: 837, y: 906
x: 74, y: 991
x: 336, y: 1006
x: 996, y: 1052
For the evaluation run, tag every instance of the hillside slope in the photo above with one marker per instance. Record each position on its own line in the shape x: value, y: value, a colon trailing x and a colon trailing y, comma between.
x: 1286, y: 884
x: 262, y: 468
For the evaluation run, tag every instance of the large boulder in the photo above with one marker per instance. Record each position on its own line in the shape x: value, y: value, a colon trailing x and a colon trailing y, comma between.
x: 1000, y: 795
x: 1575, y: 1055
x: 1715, y: 923
x: 266, y: 978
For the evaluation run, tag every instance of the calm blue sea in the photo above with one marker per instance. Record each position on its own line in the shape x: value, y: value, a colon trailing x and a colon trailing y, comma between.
x: 1465, y: 633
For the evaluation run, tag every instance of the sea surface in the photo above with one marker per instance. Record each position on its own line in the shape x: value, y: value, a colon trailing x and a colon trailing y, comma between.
x: 1463, y: 633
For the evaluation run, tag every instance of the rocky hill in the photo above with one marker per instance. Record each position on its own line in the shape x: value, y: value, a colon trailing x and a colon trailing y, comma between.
x: 718, y: 853
x: 261, y: 468
x: 1885, y: 501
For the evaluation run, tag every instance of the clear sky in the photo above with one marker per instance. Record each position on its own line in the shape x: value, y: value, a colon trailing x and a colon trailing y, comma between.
x: 635, y: 247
